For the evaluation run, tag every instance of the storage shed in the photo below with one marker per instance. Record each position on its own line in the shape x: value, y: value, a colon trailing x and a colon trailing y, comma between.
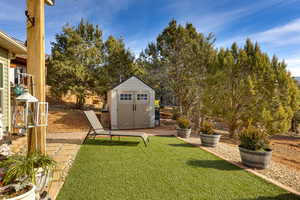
x: 131, y: 105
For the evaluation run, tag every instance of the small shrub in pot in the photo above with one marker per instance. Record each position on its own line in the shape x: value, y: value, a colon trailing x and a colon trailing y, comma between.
x: 18, y: 175
x: 254, y: 147
x: 184, y: 127
x: 208, y: 136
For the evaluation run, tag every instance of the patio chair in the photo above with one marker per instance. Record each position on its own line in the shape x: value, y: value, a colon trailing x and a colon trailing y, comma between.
x: 97, y: 129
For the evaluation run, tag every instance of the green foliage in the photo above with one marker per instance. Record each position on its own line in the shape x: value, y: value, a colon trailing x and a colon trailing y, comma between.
x: 23, y: 167
x: 255, y: 139
x: 81, y: 63
x: 180, y: 55
x: 207, y: 128
x: 118, y: 65
x: 183, y: 122
x: 175, y: 113
x: 245, y: 84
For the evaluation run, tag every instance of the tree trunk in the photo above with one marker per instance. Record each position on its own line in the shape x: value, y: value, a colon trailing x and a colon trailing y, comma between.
x: 80, y: 102
x: 232, y: 130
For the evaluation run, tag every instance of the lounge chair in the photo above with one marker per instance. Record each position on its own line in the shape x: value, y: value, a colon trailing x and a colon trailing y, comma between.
x: 97, y: 129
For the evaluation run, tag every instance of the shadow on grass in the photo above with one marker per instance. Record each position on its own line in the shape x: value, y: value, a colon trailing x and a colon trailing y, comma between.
x: 167, y: 136
x: 110, y: 143
x: 182, y: 145
x: 64, y: 141
x: 279, y: 197
x: 214, y: 164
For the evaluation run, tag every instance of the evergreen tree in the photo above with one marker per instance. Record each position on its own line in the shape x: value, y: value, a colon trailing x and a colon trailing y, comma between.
x: 246, y: 87
x: 76, y: 55
x: 81, y: 63
x: 180, y: 55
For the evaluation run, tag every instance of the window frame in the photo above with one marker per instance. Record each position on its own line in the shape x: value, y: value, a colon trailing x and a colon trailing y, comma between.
x: 126, y: 97
x: 1, y: 86
x: 142, y: 97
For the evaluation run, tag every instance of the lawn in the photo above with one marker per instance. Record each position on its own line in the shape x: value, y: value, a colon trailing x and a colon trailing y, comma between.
x: 167, y: 169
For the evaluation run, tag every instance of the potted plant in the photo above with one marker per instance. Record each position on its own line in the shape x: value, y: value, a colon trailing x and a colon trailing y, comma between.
x: 254, y: 148
x: 208, y: 136
x: 18, y: 175
x: 183, y: 127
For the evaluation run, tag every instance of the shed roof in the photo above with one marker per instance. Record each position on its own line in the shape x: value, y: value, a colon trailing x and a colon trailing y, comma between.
x: 130, y: 80
x: 12, y: 44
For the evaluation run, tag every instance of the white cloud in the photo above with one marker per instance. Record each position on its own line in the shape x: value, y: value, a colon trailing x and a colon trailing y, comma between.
x: 207, y: 16
x: 282, y: 35
x: 283, y: 39
x: 294, y: 65
x: 287, y: 34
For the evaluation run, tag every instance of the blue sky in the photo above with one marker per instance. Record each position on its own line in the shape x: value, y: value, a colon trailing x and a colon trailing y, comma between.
x: 275, y: 24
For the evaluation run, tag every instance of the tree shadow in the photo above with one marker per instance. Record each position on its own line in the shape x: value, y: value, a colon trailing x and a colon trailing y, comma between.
x: 110, y: 143
x: 182, y: 145
x: 64, y: 141
x: 279, y: 197
x: 214, y: 164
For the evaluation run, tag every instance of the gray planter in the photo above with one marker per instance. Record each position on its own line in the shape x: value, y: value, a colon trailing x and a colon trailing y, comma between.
x: 255, y: 159
x: 184, y: 133
x: 210, y: 140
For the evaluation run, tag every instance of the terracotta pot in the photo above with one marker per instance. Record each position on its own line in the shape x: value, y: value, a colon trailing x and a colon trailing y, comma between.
x: 30, y: 195
x: 255, y: 159
x: 209, y: 140
x: 184, y: 133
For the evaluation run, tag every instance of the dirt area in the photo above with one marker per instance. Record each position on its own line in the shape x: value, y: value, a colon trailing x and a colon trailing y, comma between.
x: 60, y: 121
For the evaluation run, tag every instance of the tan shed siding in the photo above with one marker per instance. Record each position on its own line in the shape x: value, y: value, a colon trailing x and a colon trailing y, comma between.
x: 4, y: 59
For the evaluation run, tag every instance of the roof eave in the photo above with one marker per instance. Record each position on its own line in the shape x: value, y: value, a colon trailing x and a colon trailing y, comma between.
x: 12, y: 45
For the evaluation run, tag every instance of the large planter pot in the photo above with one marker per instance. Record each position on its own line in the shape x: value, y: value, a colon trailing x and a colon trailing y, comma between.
x: 210, y: 140
x: 184, y: 133
x: 255, y: 159
x: 30, y: 195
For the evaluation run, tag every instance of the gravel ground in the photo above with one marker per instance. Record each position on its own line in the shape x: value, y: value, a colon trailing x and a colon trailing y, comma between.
x: 277, y: 171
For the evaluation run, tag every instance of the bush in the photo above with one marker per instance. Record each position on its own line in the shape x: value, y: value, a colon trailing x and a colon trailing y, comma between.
x: 254, y: 139
x: 183, y: 123
x: 175, y: 114
x: 23, y: 167
x: 207, y: 128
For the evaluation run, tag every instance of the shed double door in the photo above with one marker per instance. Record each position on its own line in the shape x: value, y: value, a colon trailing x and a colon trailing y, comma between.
x: 133, y: 110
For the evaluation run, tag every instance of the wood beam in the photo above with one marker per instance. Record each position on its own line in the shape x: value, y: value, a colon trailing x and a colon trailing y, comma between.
x: 50, y: 2
x: 36, y: 66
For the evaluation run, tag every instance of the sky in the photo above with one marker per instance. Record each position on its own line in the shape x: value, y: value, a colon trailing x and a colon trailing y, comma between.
x: 274, y: 24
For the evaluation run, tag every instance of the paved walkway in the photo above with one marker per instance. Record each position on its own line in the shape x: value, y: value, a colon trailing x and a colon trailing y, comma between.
x: 63, y: 147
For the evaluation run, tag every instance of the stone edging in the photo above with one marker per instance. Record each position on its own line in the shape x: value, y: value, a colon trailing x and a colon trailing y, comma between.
x: 287, y: 188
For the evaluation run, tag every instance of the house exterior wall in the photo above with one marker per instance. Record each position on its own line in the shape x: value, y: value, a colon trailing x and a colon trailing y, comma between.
x: 5, y: 60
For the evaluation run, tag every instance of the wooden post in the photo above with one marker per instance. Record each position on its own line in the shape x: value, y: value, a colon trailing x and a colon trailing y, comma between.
x: 36, y: 65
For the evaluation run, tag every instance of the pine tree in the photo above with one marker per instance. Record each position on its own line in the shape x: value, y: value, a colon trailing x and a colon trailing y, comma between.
x: 76, y: 55
x: 247, y: 87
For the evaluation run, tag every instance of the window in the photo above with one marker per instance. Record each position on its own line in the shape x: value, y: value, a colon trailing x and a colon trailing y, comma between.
x: 1, y: 75
x: 142, y: 97
x: 1, y: 87
x: 126, y: 97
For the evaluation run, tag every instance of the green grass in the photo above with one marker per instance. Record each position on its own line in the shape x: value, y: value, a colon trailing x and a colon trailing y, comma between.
x: 167, y: 169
